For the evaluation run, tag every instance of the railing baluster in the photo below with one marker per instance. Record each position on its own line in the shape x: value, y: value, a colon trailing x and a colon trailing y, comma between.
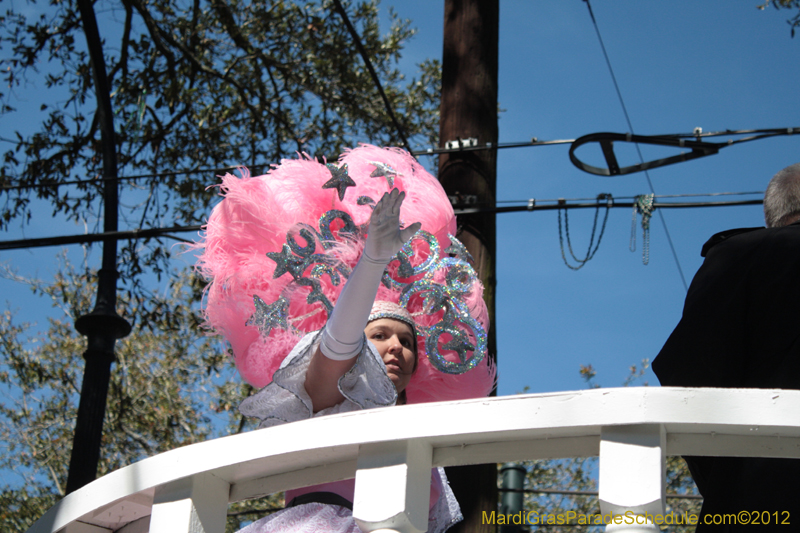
x: 632, y: 475
x: 393, y: 484
x: 191, y: 505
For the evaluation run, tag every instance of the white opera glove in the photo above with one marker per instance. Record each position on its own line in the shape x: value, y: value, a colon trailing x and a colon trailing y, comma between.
x: 343, y: 335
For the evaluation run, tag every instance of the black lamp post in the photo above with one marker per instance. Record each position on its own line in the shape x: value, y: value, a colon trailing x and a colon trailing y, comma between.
x: 102, y: 326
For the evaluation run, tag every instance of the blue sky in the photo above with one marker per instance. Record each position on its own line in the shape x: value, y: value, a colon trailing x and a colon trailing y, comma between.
x: 679, y: 65
x: 713, y: 64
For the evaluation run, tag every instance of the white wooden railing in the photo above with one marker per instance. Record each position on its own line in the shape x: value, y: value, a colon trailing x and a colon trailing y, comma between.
x: 391, y: 451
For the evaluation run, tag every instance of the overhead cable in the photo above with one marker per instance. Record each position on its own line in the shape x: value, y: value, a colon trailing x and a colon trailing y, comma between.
x: 96, y: 237
x: 691, y: 141
x: 759, y: 134
x: 532, y: 205
x: 488, y: 146
x: 638, y: 150
x: 692, y: 195
x: 372, y: 73
x: 429, y: 151
x: 590, y: 493
x: 134, y: 177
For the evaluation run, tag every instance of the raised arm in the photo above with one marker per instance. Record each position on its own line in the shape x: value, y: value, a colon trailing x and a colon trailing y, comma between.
x: 343, y: 337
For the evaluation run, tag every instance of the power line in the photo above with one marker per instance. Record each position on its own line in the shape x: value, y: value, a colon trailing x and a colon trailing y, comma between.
x: 372, y: 73
x: 534, y: 205
x: 592, y: 493
x: 134, y: 177
x: 693, y: 195
x: 488, y: 146
x: 531, y: 205
x: 97, y: 237
x: 759, y: 134
x: 214, y: 170
x: 638, y: 150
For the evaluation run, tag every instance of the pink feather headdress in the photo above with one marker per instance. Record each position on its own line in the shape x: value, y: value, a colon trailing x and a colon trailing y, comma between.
x: 279, y: 247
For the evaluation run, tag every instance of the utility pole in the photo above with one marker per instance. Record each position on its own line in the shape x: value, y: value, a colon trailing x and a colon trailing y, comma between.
x: 469, y: 111
x: 102, y: 326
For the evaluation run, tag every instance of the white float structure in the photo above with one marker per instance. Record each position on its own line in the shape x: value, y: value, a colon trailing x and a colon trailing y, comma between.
x: 390, y: 453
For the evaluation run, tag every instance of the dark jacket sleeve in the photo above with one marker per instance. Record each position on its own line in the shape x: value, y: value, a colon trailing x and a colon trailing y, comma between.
x: 706, y: 349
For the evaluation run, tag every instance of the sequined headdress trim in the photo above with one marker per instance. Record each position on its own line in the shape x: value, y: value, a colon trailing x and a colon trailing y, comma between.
x: 384, y: 309
x: 412, y: 278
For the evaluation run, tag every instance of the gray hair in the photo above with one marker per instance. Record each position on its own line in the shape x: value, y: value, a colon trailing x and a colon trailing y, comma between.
x: 782, y: 199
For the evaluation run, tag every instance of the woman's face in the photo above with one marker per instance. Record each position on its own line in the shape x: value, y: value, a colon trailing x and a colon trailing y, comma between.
x: 396, y: 345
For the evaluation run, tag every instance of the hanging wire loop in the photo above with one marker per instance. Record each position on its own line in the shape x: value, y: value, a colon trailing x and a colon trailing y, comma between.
x: 591, y: 251
x: 606, y: 140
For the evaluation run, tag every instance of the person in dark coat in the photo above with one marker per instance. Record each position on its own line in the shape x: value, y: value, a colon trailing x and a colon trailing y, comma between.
x: 741, y: 329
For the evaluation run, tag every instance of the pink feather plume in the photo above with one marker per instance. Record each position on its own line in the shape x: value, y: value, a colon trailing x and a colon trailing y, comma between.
x: 255, y: 217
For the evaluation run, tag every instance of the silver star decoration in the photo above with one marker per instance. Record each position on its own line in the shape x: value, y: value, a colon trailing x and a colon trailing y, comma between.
x: 458, y: 249
x: 316, y: 294
x: 382, y: 170
x: 459, y: 343
x: 435, y: 300
x: 340, y: 181
x: 285, y: 262
x: 269, y: 316
x: 406, y: 269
